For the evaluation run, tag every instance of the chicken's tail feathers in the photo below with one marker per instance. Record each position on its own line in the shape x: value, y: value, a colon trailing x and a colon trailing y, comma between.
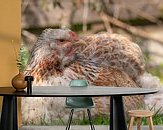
x: 147, y: 80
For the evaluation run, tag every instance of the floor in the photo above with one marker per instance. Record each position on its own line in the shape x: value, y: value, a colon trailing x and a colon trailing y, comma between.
x: 98, y: 127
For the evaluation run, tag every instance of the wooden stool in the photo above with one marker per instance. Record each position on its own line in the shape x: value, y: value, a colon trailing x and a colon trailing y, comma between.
x: 139, y: 114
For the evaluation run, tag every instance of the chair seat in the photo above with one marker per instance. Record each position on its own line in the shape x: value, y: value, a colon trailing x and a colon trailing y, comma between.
x: 140, y: 113
x: 79, y: 102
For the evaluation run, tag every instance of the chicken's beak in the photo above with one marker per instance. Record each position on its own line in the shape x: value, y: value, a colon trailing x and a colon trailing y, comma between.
x: 76, y: 40
x: 79, y: 42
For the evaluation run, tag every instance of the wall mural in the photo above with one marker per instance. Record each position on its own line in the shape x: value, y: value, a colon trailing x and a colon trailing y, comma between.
x: 103, y: 59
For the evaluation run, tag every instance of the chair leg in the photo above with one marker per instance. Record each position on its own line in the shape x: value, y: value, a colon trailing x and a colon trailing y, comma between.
x: 138, y: 123
x: 90, y: 119
x: 131, y: 123
x: 150, y: 123
x: 70, y: 119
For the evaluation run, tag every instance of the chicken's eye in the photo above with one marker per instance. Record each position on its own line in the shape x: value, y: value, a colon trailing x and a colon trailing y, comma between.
x: 61, y: 40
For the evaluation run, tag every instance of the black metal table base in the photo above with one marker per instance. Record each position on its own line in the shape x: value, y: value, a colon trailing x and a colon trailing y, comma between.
x: 9, y: 113
x: 117, y: 116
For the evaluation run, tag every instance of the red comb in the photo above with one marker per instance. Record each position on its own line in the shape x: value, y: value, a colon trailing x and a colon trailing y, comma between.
x: 73, y: 36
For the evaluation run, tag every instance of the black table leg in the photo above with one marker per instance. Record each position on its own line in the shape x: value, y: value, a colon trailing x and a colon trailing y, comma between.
x: 9, y: 113
x: 117, y: 116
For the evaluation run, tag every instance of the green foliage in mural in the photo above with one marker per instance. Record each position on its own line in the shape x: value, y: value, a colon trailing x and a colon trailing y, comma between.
x: 22, y: 58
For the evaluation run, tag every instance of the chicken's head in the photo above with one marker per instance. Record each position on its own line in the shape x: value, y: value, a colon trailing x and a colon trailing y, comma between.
x: 55, y: 46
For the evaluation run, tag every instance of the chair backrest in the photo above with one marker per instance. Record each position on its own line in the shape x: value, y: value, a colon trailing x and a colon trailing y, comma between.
x: 78, y: 83
x: 79, y: 102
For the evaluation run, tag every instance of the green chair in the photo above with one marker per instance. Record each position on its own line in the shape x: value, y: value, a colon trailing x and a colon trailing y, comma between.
x: 79, y: 102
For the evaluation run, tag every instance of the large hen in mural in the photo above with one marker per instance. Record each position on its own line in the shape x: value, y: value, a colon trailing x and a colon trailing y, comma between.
x: 59, y: 55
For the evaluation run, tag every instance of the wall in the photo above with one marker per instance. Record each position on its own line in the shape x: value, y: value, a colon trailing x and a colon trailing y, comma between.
x: 10, y: 29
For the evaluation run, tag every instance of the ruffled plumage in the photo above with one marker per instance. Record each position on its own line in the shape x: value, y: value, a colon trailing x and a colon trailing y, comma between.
x: 102, y: 59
